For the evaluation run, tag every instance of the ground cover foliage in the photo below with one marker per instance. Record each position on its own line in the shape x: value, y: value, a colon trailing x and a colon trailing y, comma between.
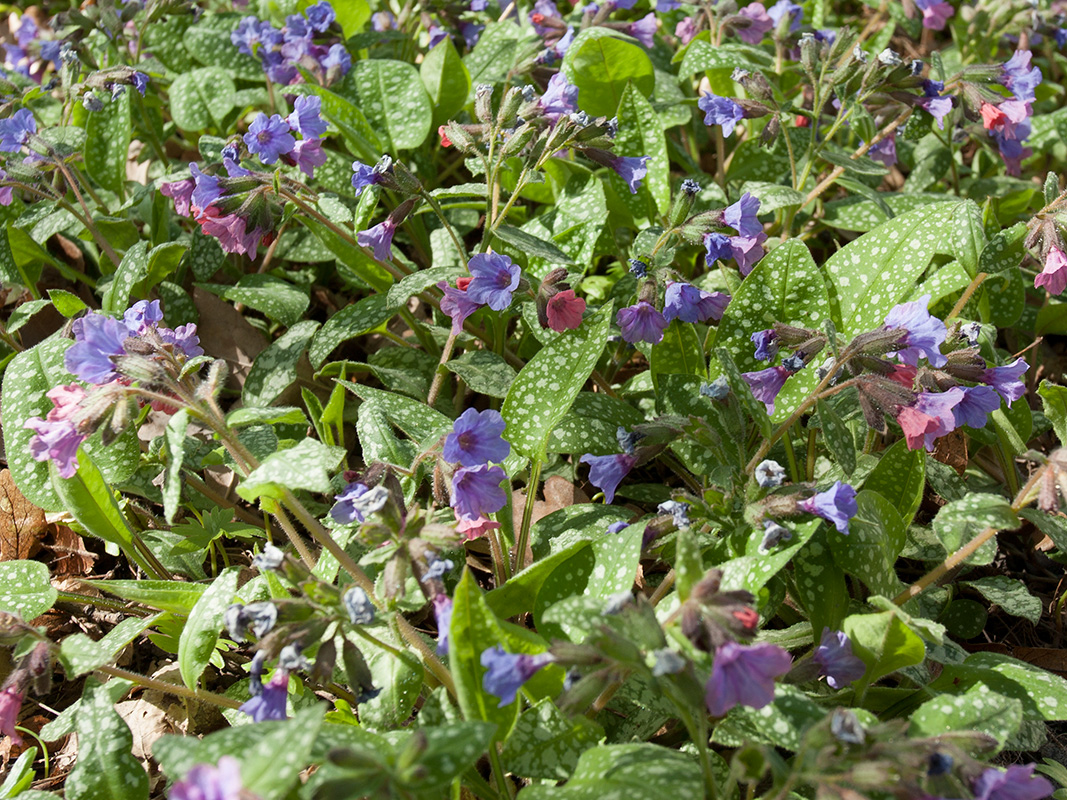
x: 492, y: 400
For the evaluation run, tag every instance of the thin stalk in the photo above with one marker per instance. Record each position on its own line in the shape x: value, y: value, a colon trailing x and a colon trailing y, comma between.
x: 523, y: 539
x: 180, y: 690
x: 294, y: 536
x: 791, y: 457
x: 100, y: 602
x: 429, y: 198
x: 498, y: 553
x: 441, y: 371
x: 499, y: 775
x: 972, y: 287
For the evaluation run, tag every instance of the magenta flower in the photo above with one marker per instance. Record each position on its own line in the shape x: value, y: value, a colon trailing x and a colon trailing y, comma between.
x: 560, y: 97
x: 476, y: 491
x: 475, y: 439
x: 641, y: 322
x: 686, y: 30
x: 1016, y: 74
x: 206, y: 782
x: 1053, y: 277
x: 766, y: 384
x: 269, y: 704
x: 306, y: 118
x: 475, y: 528
x: 97, y: 339
x: 977, y: 404
x: 744, y: 676
x: 57, y: 441
x: 269, y: 138
x: 631, y: 170
x: 720, y: 111
x: 379, y: 238
x: 688, y: 303
x: 494, y: 278
x: 923, y: 332
x: 458, y: 305
x: 506, y: 672
x: 742, y: 216
x: 1018, y: 782
x: 760, y: 23
x: 836, y: 505
x: 644, y: 30
x: 442, y: 612
x: 564, y: 311
x: 10, y: 703
x: 180, y: 192
x: 835, y: 659
x: 935, y: 13
x: 308, y: 154
x: 1005, y: 380
x: 607, y: 472
x: 16, y: 130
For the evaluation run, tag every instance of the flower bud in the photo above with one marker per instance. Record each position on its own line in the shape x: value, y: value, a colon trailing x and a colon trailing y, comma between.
x: 483, y: 102
x: 509, y: 107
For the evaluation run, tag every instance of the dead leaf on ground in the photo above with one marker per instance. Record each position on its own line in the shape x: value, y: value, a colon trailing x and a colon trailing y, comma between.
x: 225, y: 334
x: 22, y: 524
x: 71, y: 558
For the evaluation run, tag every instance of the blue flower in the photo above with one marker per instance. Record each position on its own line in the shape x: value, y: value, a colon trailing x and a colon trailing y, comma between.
x: 742, y: 216
x: 142, y: 315
x: 307, y: 155
x: 923, y: 333
x: 645, y: 29
x: 766, y: 384
x: 977, y: 404
x: 716, y: 247
x: 1019, y: 77
x: 617, y: 527
x: 457, y: 304
x: 16, y: 130
x: 379, y: 238
x: 1005, y: 380
x: 205, y: 192
x: 320, y: 16
x: 783, y: 7
x: 359, y: 607
x: 560, y: 97
x: 720, y: 111
x: 140, y: 82
x: 476, y: 491
x: 364, y: 175
x: 354, y: 504
x: 269, y: 138
x: 835, y: 659
x: 269, y: 704
x: 641, y: 322
x: 688, y: 303
x: 766, y: 344
x: 631, y: 170
x: 337, y: 57
x: 744, y: 676
x: 836, y: 505
x: 205, y: 782
x: 475, y: 439
x: 1018, y: 782
x: 97, y: 339
x: 306, y: 118
x: 494, y: 278
x: 607, y: 472
x: 506, y: 672
x: 442, y: 611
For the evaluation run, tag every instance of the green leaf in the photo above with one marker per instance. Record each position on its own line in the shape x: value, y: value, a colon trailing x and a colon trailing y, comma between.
x: 1011, y: 595
x: 754, y: 570
x: 975, y: 710
x: 820, y: 583
x: 106, y: 768
x: 602, y: 63
x: 531, y: 245
x: 176, y: 597
x: 201, y: 632
x: 308, y: 466
x: 870, y: 275
x: 208, y: 41
x: 202, y: 98
x: 484, y: 372
x: 450, y: 750
x: 702, y: 56
x: 1053, y: 402
x: 900, y: 477
x: 394, y: 100
x: 783, y: 723
x: 19, y: 777
x: 25, y: 589
x: 560, y: 529
x: 772, y: 196
x: 785, y: 286
x: 679, y: 353
x: 627, y: 772
x: 351, y: 321
x: 857, y: 166
x: 875, y: 539
x: 417, y: 420
x: 132, y: 270
x: 23, y: 313
x: 67, y: 304
x: 932, y: 160
x: 177, y: 426
x: 1042, y: 694
x: 546, y: 744
x: 399, y: 680
x: 272, y: 766
x: 838, y: 437
x: 416, y: 282
x: 961, y: 520
x: 641, y: 134
x: 546, y: 387
x: 107, y: 143
x: 1004, y: 251
x: 743, y: 392
x: 498, y: 50
x: 884, y: 643
x: 278, y: 299
x: 79, y: 654
x: 274, y: 370
x: 446, y: 80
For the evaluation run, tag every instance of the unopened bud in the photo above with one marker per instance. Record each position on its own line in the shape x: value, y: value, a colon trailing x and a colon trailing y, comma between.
x: 483, y: 102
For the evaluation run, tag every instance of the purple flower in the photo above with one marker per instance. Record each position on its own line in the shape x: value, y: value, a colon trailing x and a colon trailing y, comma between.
x: 140, y: 82
x: 835, y: 659
x: 308, y: 154
x: 269, y: 704
x: 747, y: 251
x: 938, y: 108
x: 977, y: 404
x: 935, y: 13
x: 320, y: 16
x: 337, y: 57
x: 364, y: 176
x: 471, y: 33
x: 1059, y: 34
x: 56, y: 441
x: 644, y: 30
x: 183, y: 338
x: 231, y: 231
x: 766, y: 344
x: 269, y: 138
x: 247, y: 34
x: 379, y: 238
x: 631, y: 170
x: 560, y: 97
x: 666, y: 6
x: 885, y: 150
x: 720, y: 111
x: 742, y: 216
x: 475, y: 439
x: 442, y: 611
x: 494, y: 278
x: 837, y: 505
x: 1016, y: 74
x: 306, y: 118
x: 783, y: 7
x: 7, y: 193
x: 1018, y: 782
x: 205, y: 782
x: 507, y: 672
x: 457, y: 304
x: 607, y: 472
x: 931, y: 417
x: 923, y: 332
x: 180, y: 192
x: 437, y: 35
x: 97, y: 338
x: 686, y: 30
x: 617, y: 527
x: 641, y: 322
x: 744, y: 676
x: 1005, y: 380
x: 141, y: 315
x: 348, y: 508
x: 205, y: 192
x: 690, y: 304
x: 716, y: 246
x: 476, y: 491
x: 759, y: 24
x: 766, y: 384
x: 16, y: 130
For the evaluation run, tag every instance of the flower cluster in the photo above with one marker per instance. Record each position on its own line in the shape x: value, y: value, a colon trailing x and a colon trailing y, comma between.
x: 473, y: 445
x: 271, y: 137
x: 31, y: 53
x: 493, y: 280
x: 746, y: 246
x: 306, y: 41
x: 1008, y: 121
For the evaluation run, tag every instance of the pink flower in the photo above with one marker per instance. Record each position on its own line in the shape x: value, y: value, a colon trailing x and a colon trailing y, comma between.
x: 231, y: 231
x: 1053, y: 277
x: 565, y: 311
x: 10, y: 703
x: 759, y: 25
x: 475, y: 528
x: 935, y: 13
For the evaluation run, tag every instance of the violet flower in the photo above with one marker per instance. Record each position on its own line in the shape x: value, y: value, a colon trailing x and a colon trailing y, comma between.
x: 7, y: 193
x: 348, y: 507
x: 745, y: 676
x: 320, y: 16
x: 308, y: 154
x: 720, y: 111
x: 476, y: 491
x: 645, y: 29
x: 716, y: 247
x: 183, y: 338
x: 494, y: 278
x: 379, y: 239
x: 269, y: 704
x: 923, y: 333
x: 766, y: 344
x: 835, y: 659
x: 57, y: 441
x: 207, y: 782
x: 560, y: 98
x: 231, y: 230
x: 205, y: 192
x: 836, y: 505
x: 935, y: 13
x: 442, y: 611
x: 688, y: 303
x: 97, y: 339
x: 141, y: 316
x: 306, y: 118
x: 1017, y: 782
x: 760, y: 23
x: 781, y: 9
x: 885, y: 150
x: 475, y: 439
x: 938, y: 108
x: 641, y: 322
x: 686, y: 30
x: 180, y: 192
x: 747, y: 251
x: 337, y: 57
x: 364, y: 175
x: 1017, y: 75
x: 631, y: 170
x: 1053, y: 277
x: 977, y: 404
x: 269, y: 138
x: 16, y: 130
x: 607, y: 472
x: 458, y: 305
x: 507, y: 672
x: 930, y: 418
x: 766, y: 384
x: 1005, y: 380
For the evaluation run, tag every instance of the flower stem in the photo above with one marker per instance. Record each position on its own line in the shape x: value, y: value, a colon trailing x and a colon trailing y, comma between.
x: 523, y: 538
x: 170, y: 688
